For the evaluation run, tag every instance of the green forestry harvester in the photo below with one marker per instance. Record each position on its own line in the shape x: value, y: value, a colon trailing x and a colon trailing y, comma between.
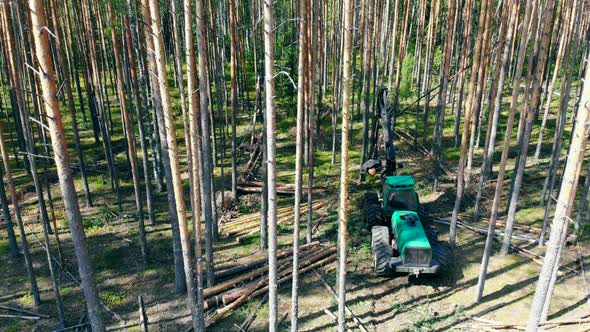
x: 400, y: 243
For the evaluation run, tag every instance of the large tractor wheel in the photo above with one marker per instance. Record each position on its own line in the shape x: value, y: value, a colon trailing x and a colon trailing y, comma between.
x: 372, y: 210
x: 382, y: 250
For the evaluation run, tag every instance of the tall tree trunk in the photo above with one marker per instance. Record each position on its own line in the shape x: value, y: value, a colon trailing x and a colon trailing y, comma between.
x: 130, y: 135
x: 7, y: 168
x: 62, y: 160
x: 344, y: 151
x: 506, y: 29
x: 531, y: 107
x: 442, y: 97
x: 193, y: 112
x: 70, y: 101
x: 159, y: 123
x: 564, y: 204
x: 511, y: 10
x: 302, y: 70
x: 206, y: 161
x: 469, y: 108
x: 269, y: 95
x: 132, y: 54
x: 173, y: 154
x: 234, y: 97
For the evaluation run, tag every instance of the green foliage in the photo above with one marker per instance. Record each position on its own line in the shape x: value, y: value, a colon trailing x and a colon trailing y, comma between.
x: 113, y: 298
x: 103, y: 218
x: 27, y: 299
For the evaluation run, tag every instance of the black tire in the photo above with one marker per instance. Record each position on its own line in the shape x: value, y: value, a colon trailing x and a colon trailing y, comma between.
x: 382, y: 250
x: 372, y: 210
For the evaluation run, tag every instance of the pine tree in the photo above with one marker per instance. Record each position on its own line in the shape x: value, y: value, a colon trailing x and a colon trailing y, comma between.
x: 62, y: 161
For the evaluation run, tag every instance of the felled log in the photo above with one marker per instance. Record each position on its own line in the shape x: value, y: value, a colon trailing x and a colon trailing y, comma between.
x: 258, y: 262
x: 254, y: 290
x: 210, y: 291
x: 232, y: 296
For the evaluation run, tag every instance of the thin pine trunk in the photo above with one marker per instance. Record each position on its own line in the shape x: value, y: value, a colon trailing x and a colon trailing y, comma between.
x: 302, y: 69
x: 344, y: 151
x: 159, y: 123
x: 193, y: 113
x: 269, y: 95
x: 130, y: 135
x: 62, y: 160
x: 563, y: 206
x: 512, y: 11
x: 173, y: 154
x: 469, y: 108
x: 531, y: 107
x: 234, y: 97
x: 206, y: 161
x: 132, y: 54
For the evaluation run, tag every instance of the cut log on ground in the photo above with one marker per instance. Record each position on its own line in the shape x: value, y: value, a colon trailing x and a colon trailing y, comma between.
x: 250, y: 265
x: 260, y: 287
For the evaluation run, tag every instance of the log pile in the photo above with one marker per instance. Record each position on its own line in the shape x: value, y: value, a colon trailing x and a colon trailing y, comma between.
x: 250, y: 224
x: 250, y: 280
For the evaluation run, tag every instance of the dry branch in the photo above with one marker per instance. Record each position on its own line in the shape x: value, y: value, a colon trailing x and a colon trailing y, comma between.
x: 355, y: 319
x: 23, y: 311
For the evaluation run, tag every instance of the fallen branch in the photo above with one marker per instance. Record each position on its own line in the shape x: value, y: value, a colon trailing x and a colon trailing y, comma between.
x: 252, y: 315
x: 355, y: 319
x: 21, y: 317
x: 23, y: 311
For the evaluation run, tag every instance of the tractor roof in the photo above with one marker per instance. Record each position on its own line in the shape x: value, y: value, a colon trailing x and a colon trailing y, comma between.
x: 400, y: 181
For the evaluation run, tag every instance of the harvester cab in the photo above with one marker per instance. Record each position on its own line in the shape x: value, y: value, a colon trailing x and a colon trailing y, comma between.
x: 399, y: 241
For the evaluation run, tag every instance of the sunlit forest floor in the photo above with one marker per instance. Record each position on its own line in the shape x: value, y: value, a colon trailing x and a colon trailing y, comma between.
x: 425, y: 303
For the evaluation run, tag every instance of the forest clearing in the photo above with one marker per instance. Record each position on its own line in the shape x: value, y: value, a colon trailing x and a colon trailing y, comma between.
x: 304, y: 165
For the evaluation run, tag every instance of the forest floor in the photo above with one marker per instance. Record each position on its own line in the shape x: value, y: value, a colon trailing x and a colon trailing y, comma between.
x: 426, y: 303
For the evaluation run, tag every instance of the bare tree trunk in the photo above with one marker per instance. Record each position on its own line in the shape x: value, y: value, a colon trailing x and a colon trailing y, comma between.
x: 7, y: 168
x: 530, y: 17
x: 344, y: 166
x: 506, y: 29
x: 532, y: 108
x: 159, y: 123
x: 511, y: 10
x: 193, y: 113
x: 173, y: 153
x: 70, y: 101
x: 469, y: 108
x: 62, y: 160
x: 130, y: 135
x: 206, y: 162
x: 564, y: 204
x: 132, y: 54
x: 564, y: 40
x: 234, y: 96
x: 442, y: 97
x: 367, y: 78
x: 302, y: 70
x: 269, y: 93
